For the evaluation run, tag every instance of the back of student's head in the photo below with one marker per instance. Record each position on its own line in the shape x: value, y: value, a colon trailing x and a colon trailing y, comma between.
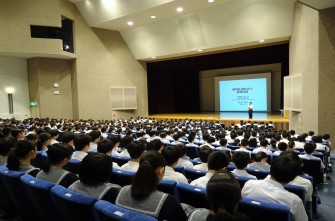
x: 53, y: 133
x: 325, y: 136
x: 309, y: 148
x: 191, y: 138
x: 105, y: 146
x: 264, y: 142
x: 233, y: 135
x: 224, y: 194
x: 42, y: 139
x: 32, y: 137
x: 155, y: 145
x: 125, y: 141
x: 135, y: 149
x: 310, y: 133
x: 284, y: 169
x: 182, y: 150
x: 252, y: 142
x: 244, y: 142
x: 204, y: 153
x: 282, y: 146
x: 171, y: 155
x: 57, y: 153
x: 15, y: 132
x: 6, y: 144
x: 81, y: 142
x: 241, y: 159
x: 147, y: 178
x: 95, y: 169
x: 114, y: 138
x: 223, y: 142
x: 20, y: 151
x: 176, y: 136
x: 68, y: 137
x: 217, y: 161
x: 260, y: 155
x: 94, y: 134
x: 210, y: 140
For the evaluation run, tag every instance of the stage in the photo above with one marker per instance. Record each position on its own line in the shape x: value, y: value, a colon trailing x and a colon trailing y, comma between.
x: 230, y: 117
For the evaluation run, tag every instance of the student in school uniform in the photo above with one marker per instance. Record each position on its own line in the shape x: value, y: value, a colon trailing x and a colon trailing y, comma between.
x: 136, y: 150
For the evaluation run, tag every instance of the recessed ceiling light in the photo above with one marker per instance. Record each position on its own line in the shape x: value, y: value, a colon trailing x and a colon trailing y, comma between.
x: 130, y: 23
x: 153, y: 16
x: 199, y: 50
x: 210, y: 1
x: 180, y: 9
x: 153, y: 57
x: 261, y: 41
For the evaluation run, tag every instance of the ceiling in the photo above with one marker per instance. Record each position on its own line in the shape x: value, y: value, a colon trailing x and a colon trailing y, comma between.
x: 114, y: 14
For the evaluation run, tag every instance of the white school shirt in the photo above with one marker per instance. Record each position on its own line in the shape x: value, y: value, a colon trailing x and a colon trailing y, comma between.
x: 202, y: 181
x: 243, y: 173
x: 171, y: 174
x: 272, y: 191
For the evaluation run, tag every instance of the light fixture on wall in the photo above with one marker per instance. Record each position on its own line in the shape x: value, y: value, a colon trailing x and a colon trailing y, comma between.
x: 10, y: 91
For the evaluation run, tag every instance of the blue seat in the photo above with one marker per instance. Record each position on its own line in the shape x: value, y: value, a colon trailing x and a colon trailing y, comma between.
x: 6, y: 204
x: 72, y: 206
x: 297, y: 190
x: 260, y: 210
x: 72, y: 166
x: 109, y: 212
x: 179, y: 169
x: 121, y: 177
x: 233, y: 147
x: 192, y: 195
x: 260, y: 174
x: 313, y: 168
x: 195, y: 162
x: 169, y: 186
x: 19, y: 197
x: 193, y: 174
x: 231, y: 167
x: 38, y: 192
x: 242, y: 180
x: 120, y: 160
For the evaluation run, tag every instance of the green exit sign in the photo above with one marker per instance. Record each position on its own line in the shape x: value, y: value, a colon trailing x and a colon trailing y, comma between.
x: 33, y: 104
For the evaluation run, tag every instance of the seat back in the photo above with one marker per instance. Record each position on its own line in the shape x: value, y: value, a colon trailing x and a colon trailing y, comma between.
x: 6, y: 204
x: 72, y: 166
x: 242, y: 180
x: 313, y: 168
x: 191, y: 195
x: 38, y: 192
x: 259, y: 210
x: 169, y: 186
x: 19, y: 197
x: 191, y: 152
x: 193, y: 174
x: 110, y: 212
x: 120, y: 160
x: 179, y: 169
x: 260, y: 174
x: 121, y: 177
x: 72, y: 206
x: 297, y: 190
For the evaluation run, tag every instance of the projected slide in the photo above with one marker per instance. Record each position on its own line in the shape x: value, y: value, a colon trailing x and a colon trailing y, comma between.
x: 235, y: 95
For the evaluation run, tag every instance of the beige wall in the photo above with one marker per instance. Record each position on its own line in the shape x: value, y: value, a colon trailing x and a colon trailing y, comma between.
x: 327, y: 71
x: 304, y: 47
x: 43, y: 73
x: 101, y: 60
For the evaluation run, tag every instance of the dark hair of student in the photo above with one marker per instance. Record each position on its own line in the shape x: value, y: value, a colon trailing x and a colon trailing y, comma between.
x: 20, y: 151
x: 223, y: 142
x: 244, y: 142
x: 217, y: 161
x: 146, y: 178
x: 105, y: 146
x: 171, y: 155
x: 42, y: 138
x: 16, y: 132
x: 204, y: 153
x: 260, y: 155
x: 125, y: 141
x: 81, y: 142
x: 6, y: 144
x: 94, y: 134
x: 155, y: 145
x: 182, y: 150
x: 252, y: 142
x: 114, y: 138
x: 241, y: 159
x: 282, y: 146
x: 135, y: 149
x: 68, y: 136
x: 309, y: 147
x: 95, y: 169
x: 224, y: 194
x: 284, y: 169
x: 53, y: 132
x: 56, y: 153
x: 32, y: 137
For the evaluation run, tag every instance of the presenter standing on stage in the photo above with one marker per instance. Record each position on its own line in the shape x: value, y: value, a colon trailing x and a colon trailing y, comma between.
x: 250, y: 107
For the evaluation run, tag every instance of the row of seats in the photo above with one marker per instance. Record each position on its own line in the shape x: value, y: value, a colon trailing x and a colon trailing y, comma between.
x: 34, y: 199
